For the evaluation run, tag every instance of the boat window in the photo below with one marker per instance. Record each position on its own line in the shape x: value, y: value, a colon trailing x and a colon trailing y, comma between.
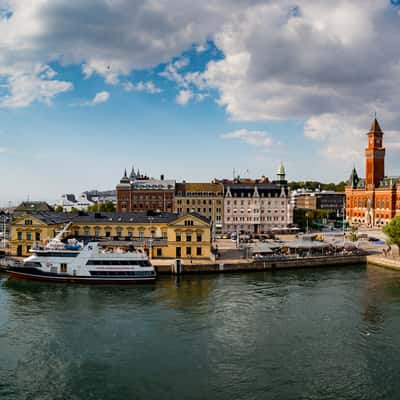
x: 32, y: 264
x: 56, y: 254
x: 132, y: 263
x: 116, y: 274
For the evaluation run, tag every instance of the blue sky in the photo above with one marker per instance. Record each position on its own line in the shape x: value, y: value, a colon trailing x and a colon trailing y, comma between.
x: 191, y: 92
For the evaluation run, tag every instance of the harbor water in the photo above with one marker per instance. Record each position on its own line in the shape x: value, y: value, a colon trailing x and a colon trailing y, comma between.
x: 298, y: 334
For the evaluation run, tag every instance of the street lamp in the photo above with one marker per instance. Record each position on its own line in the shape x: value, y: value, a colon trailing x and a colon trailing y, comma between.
x: 151, y: 238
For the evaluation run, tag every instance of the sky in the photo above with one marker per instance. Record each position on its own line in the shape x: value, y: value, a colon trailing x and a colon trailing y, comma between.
x: 192, y: 90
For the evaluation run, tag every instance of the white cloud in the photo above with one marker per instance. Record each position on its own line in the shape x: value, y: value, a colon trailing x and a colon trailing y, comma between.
x: 201, y: 48
x: 184, y: 96
x: 100, y: 97
x: 148, y: 87
x: 254, y: 138
x: 330, y: 64
x: 4, y: 149
x: 26, y: 84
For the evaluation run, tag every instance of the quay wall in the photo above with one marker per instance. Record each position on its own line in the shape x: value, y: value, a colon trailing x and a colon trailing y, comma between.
x: 258, y: 265
x: 384, y: 262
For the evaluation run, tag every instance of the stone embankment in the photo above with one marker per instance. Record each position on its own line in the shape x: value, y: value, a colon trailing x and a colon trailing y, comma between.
x: 385, y: 262
x: 261, y: 265
x: 243, y: 265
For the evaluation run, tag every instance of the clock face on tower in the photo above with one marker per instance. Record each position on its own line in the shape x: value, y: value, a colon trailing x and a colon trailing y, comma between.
x: 377, y: 141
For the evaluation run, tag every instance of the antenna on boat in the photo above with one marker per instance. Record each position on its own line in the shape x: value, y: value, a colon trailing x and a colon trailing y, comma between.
x: 60, y: 234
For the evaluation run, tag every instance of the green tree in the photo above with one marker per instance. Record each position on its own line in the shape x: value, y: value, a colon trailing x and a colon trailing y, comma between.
x: 73, y: 209
x: 353, y: 234
x: 59, y: 209
x: 392, y: 231
x: 107, y: 206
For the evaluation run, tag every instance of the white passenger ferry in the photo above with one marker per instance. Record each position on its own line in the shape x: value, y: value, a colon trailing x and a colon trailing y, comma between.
x: 95, y: 262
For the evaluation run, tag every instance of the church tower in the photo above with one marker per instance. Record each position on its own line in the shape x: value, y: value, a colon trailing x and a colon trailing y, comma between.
x: 374, y: 155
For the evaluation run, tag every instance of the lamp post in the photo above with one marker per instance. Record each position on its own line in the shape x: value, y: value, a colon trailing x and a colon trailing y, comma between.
x: 151, y: 238
x: 344, y: 211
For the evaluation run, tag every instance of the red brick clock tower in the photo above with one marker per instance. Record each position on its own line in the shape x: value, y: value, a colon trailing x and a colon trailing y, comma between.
x: 374, y: 156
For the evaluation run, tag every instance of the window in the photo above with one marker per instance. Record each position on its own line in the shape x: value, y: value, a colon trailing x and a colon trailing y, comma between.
x: 130, y: 233
x: 19, y: 235
x: 108, y: 233
x: 188, y: 251
x: 28, y: 235
x: 178, y: 252
x: 37, y: 236
x: 63, y: 268
x: 199, y: 237
x: 86, y: 232
x: 188, y: 237
x: 141, y: 234
x: 159, y: 252
x: 198, y: 251
x: 178, y: 237
x: 97, y: 232
x: 28, y: 222
x: 165, y: 235
x: 119, y: 232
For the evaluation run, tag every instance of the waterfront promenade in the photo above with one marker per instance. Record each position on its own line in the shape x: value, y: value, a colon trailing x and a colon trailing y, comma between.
x: 386, y: 262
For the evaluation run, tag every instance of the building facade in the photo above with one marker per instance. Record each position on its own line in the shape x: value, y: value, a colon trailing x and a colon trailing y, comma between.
x: 374, y: 200
x: 163, y: 235
x: 257, y: 206
x: 206, y: 199
x: 139, y: 193
x: 319, y: 200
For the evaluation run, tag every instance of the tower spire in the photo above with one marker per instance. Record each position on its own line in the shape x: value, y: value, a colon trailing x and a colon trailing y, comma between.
x: 375, y: 127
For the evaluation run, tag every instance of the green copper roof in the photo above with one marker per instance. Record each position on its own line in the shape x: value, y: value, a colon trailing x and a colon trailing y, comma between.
x: 281, y: 170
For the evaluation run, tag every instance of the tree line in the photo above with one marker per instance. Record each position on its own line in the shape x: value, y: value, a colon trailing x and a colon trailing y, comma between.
x: 313, y: 185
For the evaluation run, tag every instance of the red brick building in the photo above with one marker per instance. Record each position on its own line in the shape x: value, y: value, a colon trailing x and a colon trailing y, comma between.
x: 139, y: 193
x: 375, y: 200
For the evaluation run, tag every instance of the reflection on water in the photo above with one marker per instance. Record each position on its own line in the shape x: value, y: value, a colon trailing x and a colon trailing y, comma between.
x: 311, y: 334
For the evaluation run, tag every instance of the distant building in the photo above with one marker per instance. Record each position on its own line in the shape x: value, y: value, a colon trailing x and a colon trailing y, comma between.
x: 318, y: 200
x: 71, y: 202
x: 257, y: 206
x: 204, y: 198
x: 32, y: 206
x: 139, y: 193
x: 373, y: 201
x: 101, y: 196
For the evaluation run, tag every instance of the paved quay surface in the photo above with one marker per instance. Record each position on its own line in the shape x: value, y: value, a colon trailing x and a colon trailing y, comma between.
x: 386, y: 262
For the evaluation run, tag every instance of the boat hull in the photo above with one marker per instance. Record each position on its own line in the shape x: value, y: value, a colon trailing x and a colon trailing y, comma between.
x: 13, y: 274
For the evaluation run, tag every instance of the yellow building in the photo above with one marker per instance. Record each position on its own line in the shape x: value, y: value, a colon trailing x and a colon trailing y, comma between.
x: 164, y: 235
x: 206, y: 199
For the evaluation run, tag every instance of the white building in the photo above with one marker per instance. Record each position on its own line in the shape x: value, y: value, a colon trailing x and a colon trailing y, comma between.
x: 81, y: 202
x: 257, y: 206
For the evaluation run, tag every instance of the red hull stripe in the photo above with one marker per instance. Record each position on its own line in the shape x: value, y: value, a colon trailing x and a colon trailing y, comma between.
x: 74, y: 279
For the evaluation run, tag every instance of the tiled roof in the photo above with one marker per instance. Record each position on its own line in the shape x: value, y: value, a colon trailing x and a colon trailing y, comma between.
x: 109, y: 217
x: 198, y: 187
x: 33, y: 206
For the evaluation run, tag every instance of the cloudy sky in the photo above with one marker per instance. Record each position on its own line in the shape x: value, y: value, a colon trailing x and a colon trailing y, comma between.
x: 192, y: 90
